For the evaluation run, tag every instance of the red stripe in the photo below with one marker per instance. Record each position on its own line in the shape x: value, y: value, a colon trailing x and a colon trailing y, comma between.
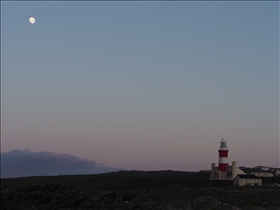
x: 223, y: 153
x: 222, y: 166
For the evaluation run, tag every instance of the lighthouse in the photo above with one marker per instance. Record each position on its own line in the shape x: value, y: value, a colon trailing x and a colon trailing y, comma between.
x: 223, y: 155
x: 223, y: 171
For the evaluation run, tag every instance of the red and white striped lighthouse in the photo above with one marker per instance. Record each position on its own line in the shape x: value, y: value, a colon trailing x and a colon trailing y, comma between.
x: 223, y: 155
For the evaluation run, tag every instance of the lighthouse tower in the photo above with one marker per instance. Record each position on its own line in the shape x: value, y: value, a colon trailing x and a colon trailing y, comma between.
x: 223, y: 155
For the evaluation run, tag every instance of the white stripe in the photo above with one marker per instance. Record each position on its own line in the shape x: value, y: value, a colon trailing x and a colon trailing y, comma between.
x: 223, y: 160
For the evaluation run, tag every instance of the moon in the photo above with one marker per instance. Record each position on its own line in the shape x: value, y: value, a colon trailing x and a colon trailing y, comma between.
x: 32, y: 20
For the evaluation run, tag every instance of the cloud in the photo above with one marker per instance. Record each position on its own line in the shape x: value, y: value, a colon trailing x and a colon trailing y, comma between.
x: 18, y: 163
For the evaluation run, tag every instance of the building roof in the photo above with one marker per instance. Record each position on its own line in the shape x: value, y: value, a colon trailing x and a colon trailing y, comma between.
x: 223, y: 140
x: 262, y: 172
x: 247, y: 176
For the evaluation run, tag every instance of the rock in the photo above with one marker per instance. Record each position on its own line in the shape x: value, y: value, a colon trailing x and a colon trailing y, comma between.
x: 58, y: 197
x: 206, y: 201
x: 176, y: 204
x: 128, y: 195
x: 234, y: 208
x: 43, y: 197
x: 144, y: 205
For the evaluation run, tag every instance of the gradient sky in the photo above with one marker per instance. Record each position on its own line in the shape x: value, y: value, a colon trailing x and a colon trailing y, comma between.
x: 142, y: 85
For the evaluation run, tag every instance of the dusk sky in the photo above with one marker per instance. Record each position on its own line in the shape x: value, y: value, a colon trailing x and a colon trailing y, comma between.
x: 141, y: 85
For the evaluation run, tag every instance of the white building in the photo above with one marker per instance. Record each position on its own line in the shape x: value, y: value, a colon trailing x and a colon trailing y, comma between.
x: 247, y: 179
x: 277, y: 173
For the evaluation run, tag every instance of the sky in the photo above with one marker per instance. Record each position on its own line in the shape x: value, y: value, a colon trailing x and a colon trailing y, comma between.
x: 140, y: 85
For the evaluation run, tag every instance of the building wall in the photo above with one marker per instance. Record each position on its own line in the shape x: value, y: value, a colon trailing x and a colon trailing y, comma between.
x: 230, y: 173
x: 243, y: 182
x: 216, y: 174
x: 213, y: 171
x: 251, y: 182
x: 277, y: 173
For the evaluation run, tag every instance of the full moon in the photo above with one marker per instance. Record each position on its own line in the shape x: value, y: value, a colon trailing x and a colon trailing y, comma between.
x: 32, y: 20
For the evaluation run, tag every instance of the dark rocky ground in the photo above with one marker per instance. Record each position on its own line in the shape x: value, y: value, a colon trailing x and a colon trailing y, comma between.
x: 155, y: 190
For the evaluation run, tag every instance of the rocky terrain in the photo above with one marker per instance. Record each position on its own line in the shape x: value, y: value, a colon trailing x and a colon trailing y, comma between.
x: 55, y: 196
x: 164, y: 190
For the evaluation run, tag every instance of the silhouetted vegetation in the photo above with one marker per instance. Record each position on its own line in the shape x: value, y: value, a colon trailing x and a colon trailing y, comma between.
x: 191, y: 188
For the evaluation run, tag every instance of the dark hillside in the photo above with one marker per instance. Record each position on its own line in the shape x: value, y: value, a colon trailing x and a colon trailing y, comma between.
x: 145, y: 189
x: 123, y: 180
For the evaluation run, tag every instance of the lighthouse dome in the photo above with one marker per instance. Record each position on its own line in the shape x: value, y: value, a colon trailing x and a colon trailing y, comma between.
x: 223, y: 144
